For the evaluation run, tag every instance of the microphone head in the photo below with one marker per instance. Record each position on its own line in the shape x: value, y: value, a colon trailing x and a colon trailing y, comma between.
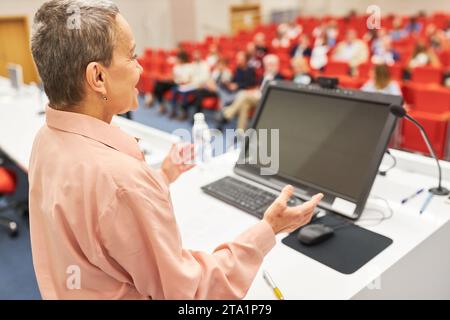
x: 398, y: 111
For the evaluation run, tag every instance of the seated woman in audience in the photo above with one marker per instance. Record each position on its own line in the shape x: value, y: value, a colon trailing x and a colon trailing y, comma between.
x: 380, y: 81
x: 213, y: 56
x: 281, y: 41
x: 423, y: 56
x: 351, y: 50
x: 447, y: 29
x: 319, y: 53
x: 246, y: 100
x: 197, y: 77
x: 216, y: 86
x: 301, y: 71
x: 180, y: 73
x: 437, y: 38
x: 303, y: 48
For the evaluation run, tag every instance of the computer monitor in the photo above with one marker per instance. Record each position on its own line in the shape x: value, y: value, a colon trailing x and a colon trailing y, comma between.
x: 330, y: 141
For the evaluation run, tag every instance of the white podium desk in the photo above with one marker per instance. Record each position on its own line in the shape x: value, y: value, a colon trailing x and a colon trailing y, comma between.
x: 416, y: 265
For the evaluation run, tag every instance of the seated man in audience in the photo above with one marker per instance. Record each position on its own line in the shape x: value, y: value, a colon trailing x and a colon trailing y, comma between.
x: 413, y: 26
x: 253, y: 61
x: 303, y: 48
x: 301, y: 71
x: 216, y: 86
x: 351, y: 50
x: 380, y: 81
x: 198, y: 76
x: 246, y: 100
x: 244, y: 77
x: 260, y: 45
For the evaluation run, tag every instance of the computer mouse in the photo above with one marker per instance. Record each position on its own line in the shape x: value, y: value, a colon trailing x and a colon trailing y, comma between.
x: 314, y: 234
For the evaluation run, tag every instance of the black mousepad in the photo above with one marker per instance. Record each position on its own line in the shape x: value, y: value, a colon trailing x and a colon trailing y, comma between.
x: 347, y: 250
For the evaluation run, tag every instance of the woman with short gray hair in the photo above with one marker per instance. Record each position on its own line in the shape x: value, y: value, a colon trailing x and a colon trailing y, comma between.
x: 102, y: 222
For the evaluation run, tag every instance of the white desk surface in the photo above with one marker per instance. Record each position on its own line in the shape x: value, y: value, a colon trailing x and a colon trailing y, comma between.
x: 206, y: 222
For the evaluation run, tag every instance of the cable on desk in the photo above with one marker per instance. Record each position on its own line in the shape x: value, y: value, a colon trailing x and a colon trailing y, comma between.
x: 383, y: 216
x: 394, y: 163
x: 348, y: 223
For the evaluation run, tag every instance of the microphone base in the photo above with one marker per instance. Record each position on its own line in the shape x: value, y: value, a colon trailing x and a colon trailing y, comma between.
x: 439, y: 191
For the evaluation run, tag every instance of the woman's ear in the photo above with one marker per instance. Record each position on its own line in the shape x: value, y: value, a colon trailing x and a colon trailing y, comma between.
x: 95, y: 77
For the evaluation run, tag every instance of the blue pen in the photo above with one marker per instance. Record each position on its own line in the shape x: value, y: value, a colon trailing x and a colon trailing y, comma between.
x: 427, y: 201
x: 412, y: 196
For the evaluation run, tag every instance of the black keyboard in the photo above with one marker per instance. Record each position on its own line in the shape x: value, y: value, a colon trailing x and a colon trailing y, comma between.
x: 243, y: 195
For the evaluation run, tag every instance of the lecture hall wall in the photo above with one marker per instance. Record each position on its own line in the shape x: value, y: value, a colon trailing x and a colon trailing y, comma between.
x: 161, y: 23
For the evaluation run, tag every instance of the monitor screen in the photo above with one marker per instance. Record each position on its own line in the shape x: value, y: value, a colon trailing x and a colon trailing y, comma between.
x: 325, y: 142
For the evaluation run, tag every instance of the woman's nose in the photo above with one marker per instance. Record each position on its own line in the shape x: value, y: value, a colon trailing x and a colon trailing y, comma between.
x: 141, y: 69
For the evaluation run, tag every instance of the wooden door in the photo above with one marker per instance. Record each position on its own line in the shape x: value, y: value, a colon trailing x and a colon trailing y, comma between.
x: 15, y: 47
x: 245, y: 17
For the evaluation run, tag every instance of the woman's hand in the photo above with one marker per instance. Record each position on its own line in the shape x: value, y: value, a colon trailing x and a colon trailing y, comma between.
x: 287, y: 219
x: 180, y: 159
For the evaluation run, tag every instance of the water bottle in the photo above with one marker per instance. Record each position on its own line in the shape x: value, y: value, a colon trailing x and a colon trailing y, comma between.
x: 202, y: 140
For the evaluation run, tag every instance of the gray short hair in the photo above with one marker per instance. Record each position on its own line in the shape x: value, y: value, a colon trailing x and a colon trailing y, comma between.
x: 67, y: 36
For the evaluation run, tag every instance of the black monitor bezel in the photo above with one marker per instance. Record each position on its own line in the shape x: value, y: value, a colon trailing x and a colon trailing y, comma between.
x: 277, y: 181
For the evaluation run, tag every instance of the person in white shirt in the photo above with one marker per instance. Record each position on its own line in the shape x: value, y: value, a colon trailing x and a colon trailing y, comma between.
x: 423, y: 56
x: 352, y: 50
x: 196, y: 76
x: 215, y: 86
x: 380, y: 81
x: 319, y: 54
x: 384, y: 53
x: 301, y: 71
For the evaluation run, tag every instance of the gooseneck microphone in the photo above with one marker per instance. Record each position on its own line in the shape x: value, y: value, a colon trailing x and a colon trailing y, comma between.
x: 400, y: 112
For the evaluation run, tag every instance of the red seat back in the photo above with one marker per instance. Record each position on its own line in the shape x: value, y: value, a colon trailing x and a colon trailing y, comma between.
x: 336, y: 68
x: 427, y: 75
x: 7, y: 181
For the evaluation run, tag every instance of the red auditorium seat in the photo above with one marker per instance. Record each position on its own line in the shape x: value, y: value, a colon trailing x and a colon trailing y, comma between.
x: 396, y: 71
x: 350, y: 82
x: 426, y: 75
x: 444, y: 57
x: 336, y: 68
x: 211, y: 103
x: 435, y: 125
x: 364, y: 70
x: 7, y: 181
x: 431, y: 99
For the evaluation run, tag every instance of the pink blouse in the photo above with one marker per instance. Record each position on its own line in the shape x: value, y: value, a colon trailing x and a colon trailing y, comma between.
x: 102, y: 223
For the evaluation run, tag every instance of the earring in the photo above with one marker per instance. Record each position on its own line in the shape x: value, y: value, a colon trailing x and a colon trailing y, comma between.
x: 105, y: 98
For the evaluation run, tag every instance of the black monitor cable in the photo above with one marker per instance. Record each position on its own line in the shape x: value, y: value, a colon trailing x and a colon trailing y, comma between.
x: 394, y: 163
